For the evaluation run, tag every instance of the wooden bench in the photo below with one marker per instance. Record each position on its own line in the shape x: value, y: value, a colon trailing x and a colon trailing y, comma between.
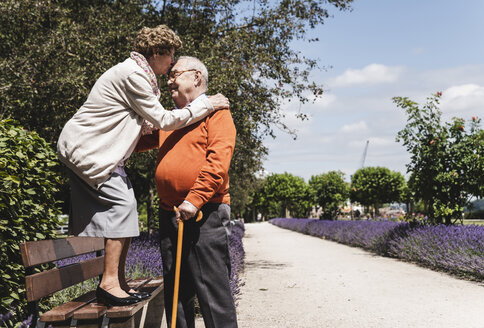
x: 83, y: 311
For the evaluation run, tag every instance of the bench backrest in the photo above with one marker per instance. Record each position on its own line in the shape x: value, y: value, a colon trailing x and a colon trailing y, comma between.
x: 35, y: 253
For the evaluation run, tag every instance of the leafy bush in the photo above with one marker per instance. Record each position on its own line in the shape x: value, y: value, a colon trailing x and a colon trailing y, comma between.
x: 28, y: 209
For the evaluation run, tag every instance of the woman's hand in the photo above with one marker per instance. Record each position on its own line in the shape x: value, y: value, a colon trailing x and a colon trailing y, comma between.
x: 219, y: 101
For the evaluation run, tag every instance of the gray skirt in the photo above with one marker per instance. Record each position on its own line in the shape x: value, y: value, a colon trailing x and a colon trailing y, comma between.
x: 109, y: 212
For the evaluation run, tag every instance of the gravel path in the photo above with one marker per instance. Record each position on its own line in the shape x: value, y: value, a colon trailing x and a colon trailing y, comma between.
x: 294, y: 280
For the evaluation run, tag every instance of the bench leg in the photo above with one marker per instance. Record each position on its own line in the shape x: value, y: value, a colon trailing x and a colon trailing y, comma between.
x: 73, y: 323
x: 143, y: 315
x: 40, y: 324
x: 105, y: 323
x: 155, y: 312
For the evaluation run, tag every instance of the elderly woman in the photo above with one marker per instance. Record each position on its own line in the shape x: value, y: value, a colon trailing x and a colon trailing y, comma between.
x: 100, y: 137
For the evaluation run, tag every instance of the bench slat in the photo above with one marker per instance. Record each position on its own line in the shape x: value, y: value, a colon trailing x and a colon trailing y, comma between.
x: 66, y: 310
x: 90, y: 311
x: 44, y: 283
x: 45, y: 251
x: 155, y: 282
x: 95, y: 310
x: 85, y: 306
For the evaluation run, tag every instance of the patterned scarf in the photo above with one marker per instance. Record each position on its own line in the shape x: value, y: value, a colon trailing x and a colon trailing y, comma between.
x: 147, y: 127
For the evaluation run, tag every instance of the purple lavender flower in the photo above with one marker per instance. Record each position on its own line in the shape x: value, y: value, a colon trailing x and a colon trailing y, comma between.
x: 144, y: 258
x: 237, y: 256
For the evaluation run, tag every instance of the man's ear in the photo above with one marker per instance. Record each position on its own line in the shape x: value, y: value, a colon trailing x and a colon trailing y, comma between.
x: 198, y: 79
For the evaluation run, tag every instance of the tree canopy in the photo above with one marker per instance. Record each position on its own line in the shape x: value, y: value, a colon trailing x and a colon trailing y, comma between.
x: 447, y: 158
x: 52, y: 51
x: 374, y: 186
x: 329, y: 190
x: 281, y: 195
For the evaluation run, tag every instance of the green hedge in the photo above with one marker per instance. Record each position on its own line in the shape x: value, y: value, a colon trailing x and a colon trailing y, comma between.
x: 28, y: 206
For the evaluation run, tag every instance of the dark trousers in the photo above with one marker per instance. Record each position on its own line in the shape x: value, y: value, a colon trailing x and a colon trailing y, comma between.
x: 205, y: 267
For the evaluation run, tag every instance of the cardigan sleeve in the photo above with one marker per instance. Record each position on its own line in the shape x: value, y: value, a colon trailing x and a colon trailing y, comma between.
x: 143, y: 101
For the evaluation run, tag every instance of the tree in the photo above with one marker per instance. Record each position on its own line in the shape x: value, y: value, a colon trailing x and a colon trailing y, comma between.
x: 53, y: 51
x: 329, y: 190
x: 283, y: 193
x: 447, y: 158
x: 374, y: 186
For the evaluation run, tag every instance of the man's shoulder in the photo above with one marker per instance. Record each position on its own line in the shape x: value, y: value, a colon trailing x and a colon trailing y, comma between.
x: 222, y: 114
x: 221, y: 121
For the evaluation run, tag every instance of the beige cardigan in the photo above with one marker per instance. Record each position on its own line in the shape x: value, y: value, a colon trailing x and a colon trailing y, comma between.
x: 101, y: 132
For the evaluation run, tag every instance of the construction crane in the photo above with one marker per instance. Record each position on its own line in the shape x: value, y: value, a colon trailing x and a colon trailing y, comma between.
x: 364, y: 154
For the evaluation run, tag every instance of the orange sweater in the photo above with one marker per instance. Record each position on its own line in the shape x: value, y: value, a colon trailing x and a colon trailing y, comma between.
x: 193, y: 162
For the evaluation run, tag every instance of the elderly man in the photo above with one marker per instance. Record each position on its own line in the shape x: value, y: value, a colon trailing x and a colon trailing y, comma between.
x: 192, y: 173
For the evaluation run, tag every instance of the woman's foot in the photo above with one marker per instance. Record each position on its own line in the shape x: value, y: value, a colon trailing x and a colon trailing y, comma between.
x: 109, y: 299
x: 114, y: 290
x: 140, y: 295
x: 124, y: 286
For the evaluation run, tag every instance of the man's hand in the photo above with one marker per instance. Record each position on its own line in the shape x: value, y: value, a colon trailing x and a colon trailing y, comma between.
x: 219, y: 101
x: 186, y: 211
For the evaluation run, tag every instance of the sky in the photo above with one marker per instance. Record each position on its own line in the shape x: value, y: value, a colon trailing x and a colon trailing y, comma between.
x: 379, y: 50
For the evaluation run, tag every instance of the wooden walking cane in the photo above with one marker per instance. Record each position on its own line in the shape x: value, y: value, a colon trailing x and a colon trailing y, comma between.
x: 178, y: 265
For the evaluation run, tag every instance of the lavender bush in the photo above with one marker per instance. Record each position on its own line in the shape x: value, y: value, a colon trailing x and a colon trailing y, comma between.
x: 237, y: 255
x: 144, y: 258
x: 454, y: 249
x: 8, y: 320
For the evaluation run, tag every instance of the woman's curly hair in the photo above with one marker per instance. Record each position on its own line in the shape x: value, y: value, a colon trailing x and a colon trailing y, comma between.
x: 160, y: 39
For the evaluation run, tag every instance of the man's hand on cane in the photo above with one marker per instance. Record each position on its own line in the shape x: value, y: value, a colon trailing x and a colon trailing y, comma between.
x: 186, y: 211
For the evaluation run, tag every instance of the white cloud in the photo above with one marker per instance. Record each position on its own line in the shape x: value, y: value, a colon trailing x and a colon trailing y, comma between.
x: 379, y: 142
x: 355, y: 127
x: 324, y: 140
x: 370, y: 74
x: 465, y: 90
x: 374, y: 142
x: 465, y: 99
x: 324, y: 102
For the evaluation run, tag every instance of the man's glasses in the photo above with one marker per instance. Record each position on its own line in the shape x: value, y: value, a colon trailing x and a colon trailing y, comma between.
x: 175, y: 74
